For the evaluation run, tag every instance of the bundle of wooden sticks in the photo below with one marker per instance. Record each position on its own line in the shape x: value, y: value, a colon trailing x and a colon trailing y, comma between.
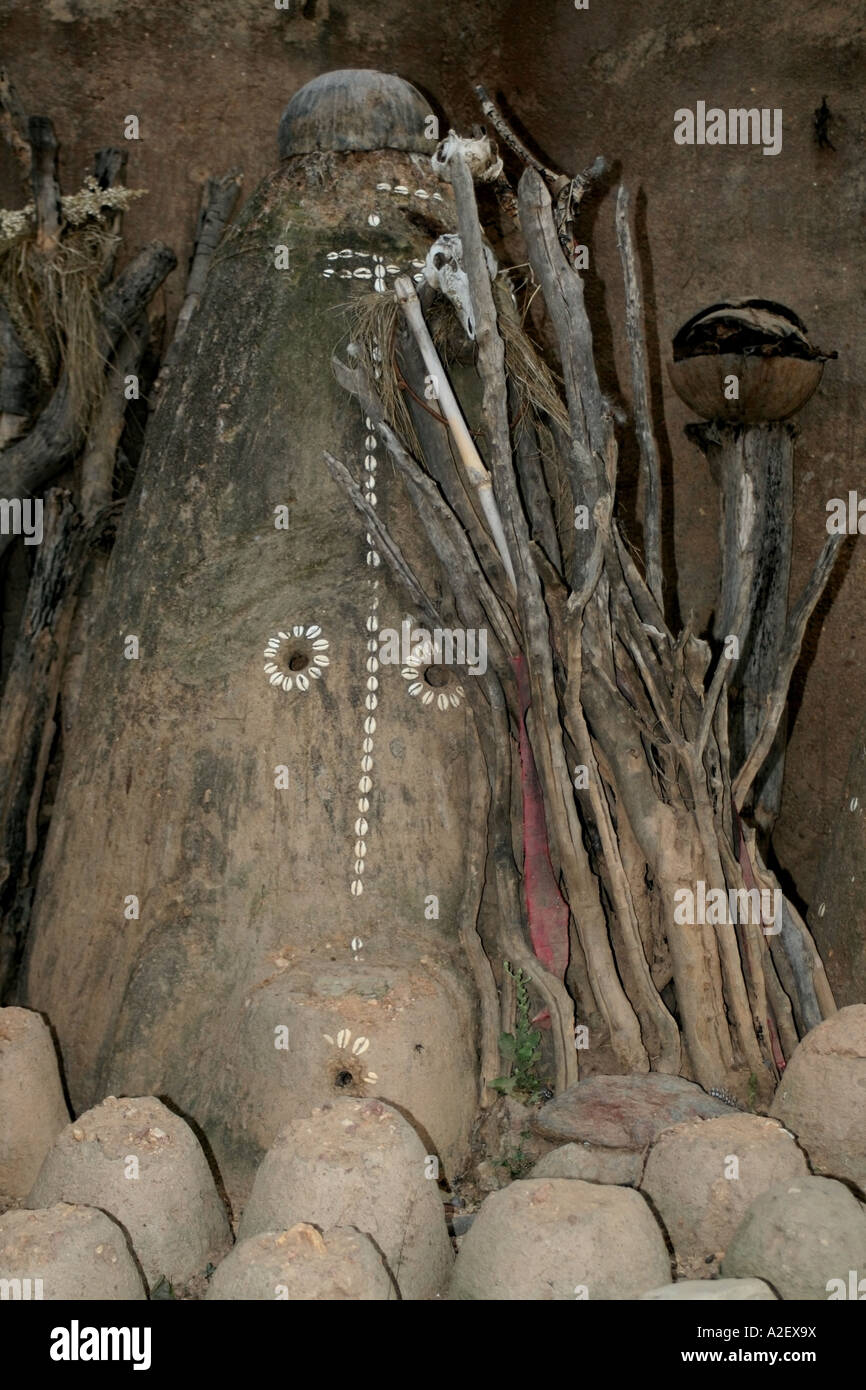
x: 614, y: 727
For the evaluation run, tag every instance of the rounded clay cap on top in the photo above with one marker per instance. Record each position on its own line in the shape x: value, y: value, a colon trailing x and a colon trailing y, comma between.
x: 356, y: 109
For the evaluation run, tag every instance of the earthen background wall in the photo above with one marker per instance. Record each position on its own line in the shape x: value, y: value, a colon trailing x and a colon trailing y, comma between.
x: 208, y: 82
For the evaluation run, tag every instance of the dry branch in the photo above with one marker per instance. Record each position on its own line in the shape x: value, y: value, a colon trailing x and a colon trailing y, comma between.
x: 103, y: 435
x: 13, y: 125
x: 789, y: 655
x: 27, y: 712
x: 649, y: 454
x: 109, y: 168
x: 16, y: 382
x: 29, y: 463
x: 218, y: 200
x: 43, y: 178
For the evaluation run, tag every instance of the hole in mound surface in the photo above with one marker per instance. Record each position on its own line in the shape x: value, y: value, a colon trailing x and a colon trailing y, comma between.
x: 298, y: 661
x: 343, y: 1078
x: 436, y: 676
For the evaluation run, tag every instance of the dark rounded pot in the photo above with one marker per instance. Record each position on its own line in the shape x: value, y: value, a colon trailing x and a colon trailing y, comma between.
x: 770, y: 388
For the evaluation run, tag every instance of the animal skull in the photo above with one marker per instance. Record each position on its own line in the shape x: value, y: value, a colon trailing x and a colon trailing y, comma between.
x: 479, y: 152
x: 443, y: 269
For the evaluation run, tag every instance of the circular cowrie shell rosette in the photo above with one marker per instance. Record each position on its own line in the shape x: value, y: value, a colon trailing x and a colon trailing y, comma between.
x: 304, y: 637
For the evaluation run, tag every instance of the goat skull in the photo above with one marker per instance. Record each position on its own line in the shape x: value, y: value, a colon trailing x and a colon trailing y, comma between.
x: 443, y: 269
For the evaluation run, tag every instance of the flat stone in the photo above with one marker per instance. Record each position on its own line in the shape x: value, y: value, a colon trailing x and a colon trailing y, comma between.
x: 587, y: 1162
x: 712, y: 1291
x: 624, y: 1112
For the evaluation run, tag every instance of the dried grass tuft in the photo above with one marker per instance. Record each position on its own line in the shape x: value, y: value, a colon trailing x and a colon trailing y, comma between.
x: 55, y: 302
x: 374, y: 322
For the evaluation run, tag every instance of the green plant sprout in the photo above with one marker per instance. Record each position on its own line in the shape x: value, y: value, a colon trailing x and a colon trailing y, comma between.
x: 522, y: 1047
x: 516, y: 1160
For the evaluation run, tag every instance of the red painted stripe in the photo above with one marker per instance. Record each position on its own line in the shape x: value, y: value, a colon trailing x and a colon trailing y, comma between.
x: 546, y: 908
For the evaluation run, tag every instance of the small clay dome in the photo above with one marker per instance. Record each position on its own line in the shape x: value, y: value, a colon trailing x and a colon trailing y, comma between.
x: 761, y: 343
x: 356, y: 109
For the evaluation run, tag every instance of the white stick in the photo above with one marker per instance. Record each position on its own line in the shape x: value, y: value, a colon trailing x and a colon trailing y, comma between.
x: 472, y: 461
